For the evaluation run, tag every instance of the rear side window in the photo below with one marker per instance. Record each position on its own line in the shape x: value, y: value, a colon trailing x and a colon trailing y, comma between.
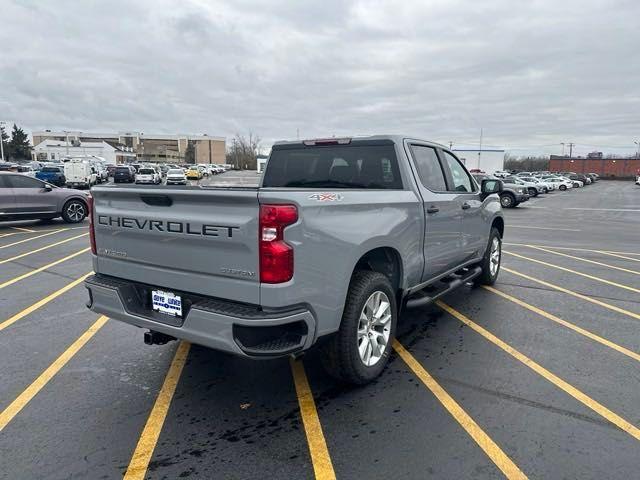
x: 429, y: 168
x: 461, y: 179
x: 353, y: 166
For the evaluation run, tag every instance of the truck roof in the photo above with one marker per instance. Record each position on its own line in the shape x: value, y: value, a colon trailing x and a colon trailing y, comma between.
x: 391, y: 137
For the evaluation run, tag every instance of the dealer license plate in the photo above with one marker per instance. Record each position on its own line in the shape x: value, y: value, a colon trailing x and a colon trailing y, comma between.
x: 167, y: 303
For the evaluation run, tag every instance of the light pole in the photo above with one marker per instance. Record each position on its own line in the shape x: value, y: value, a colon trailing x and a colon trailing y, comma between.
x: 637, y: 151
x: 2, y: 124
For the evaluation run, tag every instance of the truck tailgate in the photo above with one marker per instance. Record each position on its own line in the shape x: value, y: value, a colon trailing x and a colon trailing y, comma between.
x: 197, y: 240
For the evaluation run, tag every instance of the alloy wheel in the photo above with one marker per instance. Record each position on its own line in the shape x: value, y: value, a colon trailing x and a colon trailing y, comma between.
x: 374, y: 328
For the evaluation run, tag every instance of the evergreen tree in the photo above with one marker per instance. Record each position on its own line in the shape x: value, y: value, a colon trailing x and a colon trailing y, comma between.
x: 190, y: 153
x: 19, y: 145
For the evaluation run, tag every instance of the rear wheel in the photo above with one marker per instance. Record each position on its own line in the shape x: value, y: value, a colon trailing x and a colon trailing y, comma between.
x: 74, y: 211
x: 563, y: 187
x: 533, y: 192
x: 491, y: 261
x: 360, y: 350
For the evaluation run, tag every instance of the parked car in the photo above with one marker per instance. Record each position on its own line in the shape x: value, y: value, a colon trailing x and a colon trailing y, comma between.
x: 124, y: 174
x: 27, y: 170
x: 219, y: 169
x: 637, y: 179
x: 176, y: 176
x: 194, y: 173
x: 562, y: 183
x: 163, y: 169
x: 80, y: 173
x: 533, y: 188
x: 219, y: 268
x: 594, y: 176
x: 111, y: 169
x: 204, y: 169
x: 544, y: 187
x: 102, y: 175
x: 581, y: 178
x: 53, y: 175
x: 24, y: 198
x: 511, y: 195
x: 148, y: 175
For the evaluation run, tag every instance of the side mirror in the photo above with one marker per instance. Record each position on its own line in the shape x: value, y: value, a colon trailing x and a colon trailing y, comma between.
x: 490, y: 186
x: 47, y: 188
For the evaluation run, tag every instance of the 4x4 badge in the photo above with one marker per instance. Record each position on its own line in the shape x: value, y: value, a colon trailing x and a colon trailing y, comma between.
x: 326, y: 197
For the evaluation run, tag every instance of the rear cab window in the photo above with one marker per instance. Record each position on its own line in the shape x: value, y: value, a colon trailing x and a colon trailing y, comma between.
x: 363, y: 165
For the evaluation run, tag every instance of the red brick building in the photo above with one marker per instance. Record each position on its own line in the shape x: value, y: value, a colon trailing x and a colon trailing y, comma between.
x: 605, y: 167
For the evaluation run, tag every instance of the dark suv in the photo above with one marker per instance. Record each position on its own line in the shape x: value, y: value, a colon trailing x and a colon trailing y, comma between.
x: 124, y: 174
x: 25, y: 198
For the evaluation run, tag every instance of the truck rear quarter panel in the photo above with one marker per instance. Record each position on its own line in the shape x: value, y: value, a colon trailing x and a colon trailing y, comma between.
x: 330, y: 237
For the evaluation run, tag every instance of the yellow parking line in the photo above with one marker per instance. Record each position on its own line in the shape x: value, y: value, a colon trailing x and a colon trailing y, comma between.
x: 31, y: 238
x: 493, y: 451
x: 564, y: 323
x: 149, y: 438
x: 42, y: 248
x: 39, y: 383
x: 13, y: 319
x: 635, y: 272
x: 40, y: 269
x: 574, y: 294
x: 572, y: 248
x: 28, y: 230
x: 586, y: 275
x: 582, y: 397
x: 320, y: 458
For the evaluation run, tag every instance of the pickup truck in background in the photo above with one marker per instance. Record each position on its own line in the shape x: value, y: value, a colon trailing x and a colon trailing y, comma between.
x: 341, y: 235
x: 53, y: 175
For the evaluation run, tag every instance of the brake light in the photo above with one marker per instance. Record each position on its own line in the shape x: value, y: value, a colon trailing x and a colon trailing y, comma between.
x: 92, y: 232
x: 327, y: 141
x: 276, y: 255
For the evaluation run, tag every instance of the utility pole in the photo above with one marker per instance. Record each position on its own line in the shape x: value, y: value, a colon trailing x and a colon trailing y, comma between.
x: 480, y: 151
x: 2, y: 124
x: 571, y: 149
x: 450, y: 145
x: 637, y: 151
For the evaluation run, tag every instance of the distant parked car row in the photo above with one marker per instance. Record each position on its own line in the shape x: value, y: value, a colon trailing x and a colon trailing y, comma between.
x: 519, y: 187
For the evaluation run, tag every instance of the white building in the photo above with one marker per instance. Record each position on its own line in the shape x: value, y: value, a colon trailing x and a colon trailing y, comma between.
x: 486, y: 160
x: 52, y: 150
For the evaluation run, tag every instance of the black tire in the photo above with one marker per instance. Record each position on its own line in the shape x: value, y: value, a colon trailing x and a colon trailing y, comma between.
x: 342, y: 359
x: 74, y: 211
x: 562, y: 187
x: 487, y: 277
x: 507, y: 200
x: 533, y: 192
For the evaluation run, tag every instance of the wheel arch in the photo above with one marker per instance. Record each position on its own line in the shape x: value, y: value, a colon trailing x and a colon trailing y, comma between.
x: 384, y: 260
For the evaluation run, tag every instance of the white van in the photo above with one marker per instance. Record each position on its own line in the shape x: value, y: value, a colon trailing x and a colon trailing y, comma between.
x: 80, y: 173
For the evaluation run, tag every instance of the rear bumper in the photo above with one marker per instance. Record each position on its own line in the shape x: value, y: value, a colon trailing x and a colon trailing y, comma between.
x: 244, y: 330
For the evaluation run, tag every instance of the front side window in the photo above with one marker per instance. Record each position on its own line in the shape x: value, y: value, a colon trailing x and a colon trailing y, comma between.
x: 460, y: 177
x: 429, y: 168
x: 18, y: 181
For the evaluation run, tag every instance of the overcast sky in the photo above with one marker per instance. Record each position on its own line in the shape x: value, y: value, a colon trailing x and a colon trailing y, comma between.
x: 531, y: 74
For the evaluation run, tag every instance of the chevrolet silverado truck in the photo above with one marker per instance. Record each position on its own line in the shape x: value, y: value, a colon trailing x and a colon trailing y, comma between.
x: 339, y: 237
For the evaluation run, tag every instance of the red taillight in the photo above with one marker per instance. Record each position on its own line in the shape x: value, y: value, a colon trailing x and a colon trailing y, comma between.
x: 92, y: 233
x: 276, y: 255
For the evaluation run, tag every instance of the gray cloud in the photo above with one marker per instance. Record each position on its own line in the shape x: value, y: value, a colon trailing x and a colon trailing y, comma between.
x: 530, y: 74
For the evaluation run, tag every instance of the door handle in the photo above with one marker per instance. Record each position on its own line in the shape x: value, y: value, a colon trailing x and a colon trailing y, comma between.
x: 466, y: 206
x: 433, y: 209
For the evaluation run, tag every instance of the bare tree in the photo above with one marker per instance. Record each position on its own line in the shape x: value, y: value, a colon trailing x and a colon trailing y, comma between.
x: 243, y: 152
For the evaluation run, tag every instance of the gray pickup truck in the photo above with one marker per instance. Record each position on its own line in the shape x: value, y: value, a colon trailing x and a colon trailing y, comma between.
x: 339, y: 237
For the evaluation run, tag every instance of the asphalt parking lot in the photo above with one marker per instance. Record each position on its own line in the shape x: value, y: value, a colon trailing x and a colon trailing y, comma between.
x: 537, y: 377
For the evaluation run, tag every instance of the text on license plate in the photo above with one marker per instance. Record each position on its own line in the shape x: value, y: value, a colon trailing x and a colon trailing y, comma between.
x: 166, y: 302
